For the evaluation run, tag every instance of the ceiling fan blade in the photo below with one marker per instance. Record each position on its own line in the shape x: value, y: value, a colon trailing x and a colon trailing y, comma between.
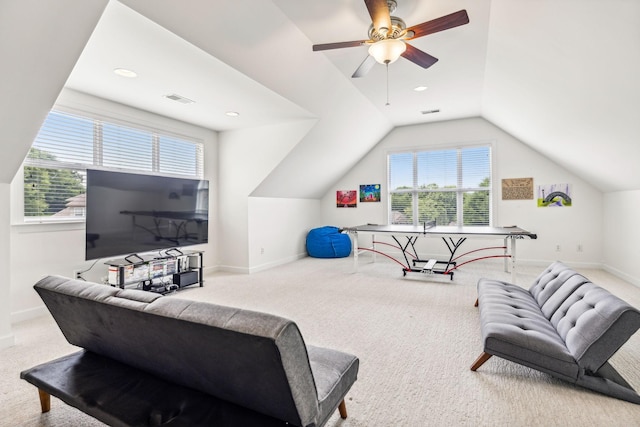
x: 380, y: 16
x: 419, y: 57
x: 365, y: 67
x: 439, y: 24
x: 338, y: 45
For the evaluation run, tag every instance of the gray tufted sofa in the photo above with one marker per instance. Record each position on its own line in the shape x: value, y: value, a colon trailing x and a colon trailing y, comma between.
x: 149, y: 360
x: 563, y: 325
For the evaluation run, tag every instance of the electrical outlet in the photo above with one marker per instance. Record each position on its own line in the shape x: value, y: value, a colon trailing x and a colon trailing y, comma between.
x: 77, y: 274
x: 261, y: 251
x: 557, y: 248
x: 579, y: 247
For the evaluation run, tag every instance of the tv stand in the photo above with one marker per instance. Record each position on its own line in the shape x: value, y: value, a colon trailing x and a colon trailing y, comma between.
x: 161, y: 274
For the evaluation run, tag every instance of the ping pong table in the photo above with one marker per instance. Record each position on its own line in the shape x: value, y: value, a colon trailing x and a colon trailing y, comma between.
x: 406, y: 236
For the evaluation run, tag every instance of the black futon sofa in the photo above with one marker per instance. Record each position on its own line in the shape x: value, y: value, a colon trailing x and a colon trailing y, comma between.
x: 152, y: 360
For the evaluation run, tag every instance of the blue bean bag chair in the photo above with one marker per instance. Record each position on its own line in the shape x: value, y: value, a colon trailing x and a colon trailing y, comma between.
x: 328, y: 242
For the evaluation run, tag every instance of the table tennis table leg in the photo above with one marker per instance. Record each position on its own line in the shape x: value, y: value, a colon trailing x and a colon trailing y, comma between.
x: 513, y: 261
x: 373, y: 246
x: 510, y: 257
x: 354, y: 248
x: 506, y: 255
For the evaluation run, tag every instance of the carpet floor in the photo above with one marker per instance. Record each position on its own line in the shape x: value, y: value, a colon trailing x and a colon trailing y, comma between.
x: 416, y: 338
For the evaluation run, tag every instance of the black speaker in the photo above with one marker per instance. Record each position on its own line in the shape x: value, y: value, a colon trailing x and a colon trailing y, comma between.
x: 185, y: 278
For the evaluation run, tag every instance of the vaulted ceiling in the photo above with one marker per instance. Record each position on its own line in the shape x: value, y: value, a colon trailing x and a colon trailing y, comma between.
x: 560, y: 75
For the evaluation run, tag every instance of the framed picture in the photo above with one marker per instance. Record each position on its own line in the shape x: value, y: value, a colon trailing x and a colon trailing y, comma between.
x: 517, y: 189
x: 554, y: 195
x: 370, y: 193
x: 346, y: 199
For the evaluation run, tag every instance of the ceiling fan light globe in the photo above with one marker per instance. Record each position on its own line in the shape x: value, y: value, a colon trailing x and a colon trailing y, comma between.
x: 387, y: 51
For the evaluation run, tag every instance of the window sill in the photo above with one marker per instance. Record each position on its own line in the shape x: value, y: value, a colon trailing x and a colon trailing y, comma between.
x: 48, y: 226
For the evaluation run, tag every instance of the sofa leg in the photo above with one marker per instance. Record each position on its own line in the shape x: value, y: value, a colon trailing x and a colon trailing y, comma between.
x: 480, y: 360
x: 476, y: 303
x: 45, y: 401
x: 342, y: 408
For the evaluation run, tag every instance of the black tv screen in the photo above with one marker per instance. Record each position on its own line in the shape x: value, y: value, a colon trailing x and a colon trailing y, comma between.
x: 128, y: 213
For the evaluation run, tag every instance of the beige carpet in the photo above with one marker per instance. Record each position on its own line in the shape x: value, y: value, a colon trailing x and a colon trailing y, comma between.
x: 416, y: 339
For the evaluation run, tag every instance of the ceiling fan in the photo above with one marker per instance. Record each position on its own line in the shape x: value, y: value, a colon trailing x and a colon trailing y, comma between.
x: 388, y: 35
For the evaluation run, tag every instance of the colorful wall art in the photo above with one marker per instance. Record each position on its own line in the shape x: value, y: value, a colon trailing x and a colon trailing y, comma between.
x: 370, y: 193
x: 346, y: 199
x: 554, y: 195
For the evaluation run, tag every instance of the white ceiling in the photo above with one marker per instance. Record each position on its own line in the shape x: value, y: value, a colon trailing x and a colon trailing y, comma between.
x: 454, y: 83
x: 167, y: 64
x: 559, y: 75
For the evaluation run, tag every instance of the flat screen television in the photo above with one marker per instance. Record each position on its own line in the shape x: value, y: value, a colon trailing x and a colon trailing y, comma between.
x: 129, y: 213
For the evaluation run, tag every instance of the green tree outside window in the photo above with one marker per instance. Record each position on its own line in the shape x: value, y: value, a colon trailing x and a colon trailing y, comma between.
x: 47, y: 191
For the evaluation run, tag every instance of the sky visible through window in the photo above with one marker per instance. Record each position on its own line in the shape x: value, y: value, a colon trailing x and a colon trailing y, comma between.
x: 127, y: 147
x: 176, y: 155
x: 77, y: 144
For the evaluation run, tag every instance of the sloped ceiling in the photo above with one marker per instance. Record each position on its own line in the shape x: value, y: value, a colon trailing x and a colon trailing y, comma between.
x: 267, y: 48
x: 558, y: 75
x: 39, y: 45
x: 562, y: 76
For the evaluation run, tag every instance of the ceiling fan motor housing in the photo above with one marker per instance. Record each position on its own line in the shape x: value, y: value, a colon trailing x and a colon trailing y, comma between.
x: 398, y: 30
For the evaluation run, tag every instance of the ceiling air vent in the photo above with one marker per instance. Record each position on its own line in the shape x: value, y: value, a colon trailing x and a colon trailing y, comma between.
x: 430, y: 111
x: 178, y: 98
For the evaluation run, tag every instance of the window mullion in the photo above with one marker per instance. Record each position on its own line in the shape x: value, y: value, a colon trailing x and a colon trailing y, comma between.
x: 459, y: 189
x: 97, y: 143
x: 155, y: 152
x: 414, y: 197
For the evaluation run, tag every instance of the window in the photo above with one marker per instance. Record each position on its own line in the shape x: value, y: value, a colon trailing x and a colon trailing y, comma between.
x: 451, y: 186
x: 67, y: 145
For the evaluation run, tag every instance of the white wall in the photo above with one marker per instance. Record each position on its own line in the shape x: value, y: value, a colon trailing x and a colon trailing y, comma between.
x: 622, y: 234
x: 278, y: 229
x: 42, y: 249
x: 6, y: 336
x: 567, y: 227
x: 42, y: 42
x: 247, y: 157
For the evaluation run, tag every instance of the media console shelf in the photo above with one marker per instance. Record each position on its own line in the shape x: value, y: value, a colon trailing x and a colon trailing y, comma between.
x: 169, y: 272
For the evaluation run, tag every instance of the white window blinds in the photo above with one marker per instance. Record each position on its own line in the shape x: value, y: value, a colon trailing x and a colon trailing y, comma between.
x: 67, y: 145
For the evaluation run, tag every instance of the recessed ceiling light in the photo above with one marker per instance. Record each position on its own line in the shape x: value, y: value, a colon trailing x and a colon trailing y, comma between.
x: 123, y: 72
x: 420, y: 88
x: 232, y: 113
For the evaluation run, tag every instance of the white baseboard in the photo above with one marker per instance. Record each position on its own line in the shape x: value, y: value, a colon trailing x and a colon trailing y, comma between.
x: 7, y: 341
x: 269, y: 265
x: 592, y: 265
x: 232, y: 269
x: 624, y: 276
x: 31, y: 313
x: 572, y: 264
x: 261, y: 267
x: 209, y: 270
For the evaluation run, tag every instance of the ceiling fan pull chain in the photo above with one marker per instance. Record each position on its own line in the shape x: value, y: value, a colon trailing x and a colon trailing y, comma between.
x: 387, y: 64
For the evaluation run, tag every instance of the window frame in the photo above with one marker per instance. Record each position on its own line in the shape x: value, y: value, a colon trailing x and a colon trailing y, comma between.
x: 460, y: 191
x: 156, y: 133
